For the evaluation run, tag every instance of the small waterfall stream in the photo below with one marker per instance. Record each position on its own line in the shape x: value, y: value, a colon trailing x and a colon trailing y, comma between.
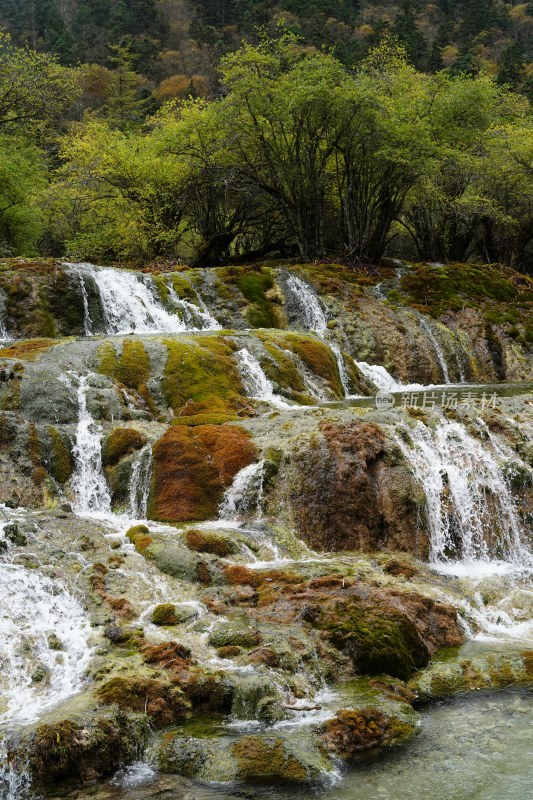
x: 194, y: 318
x: 256, y: 384
x: 130, y: 303
x: 437, y: 347
x: 88, y: 482
x: 141, y: 474
x: 38, y: 670
x: 245, y: 493
x: 313, y: 317
x: 472, y: 514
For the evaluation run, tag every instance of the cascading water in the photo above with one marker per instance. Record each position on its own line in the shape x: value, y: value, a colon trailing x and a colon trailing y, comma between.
x: 141, y: 475
x: 379, y: 376
x: 44, y: 654
x: 38, y: 670
x: 310, y: 309
x: 245, y: 493
x: 256, y: 384
x: 472, y: 513
x: 87, y: 321
x: 313, y: 318
x: 88, y: 482
x: 129, y: 300
x: 194, y: 318
x: 437, y: 347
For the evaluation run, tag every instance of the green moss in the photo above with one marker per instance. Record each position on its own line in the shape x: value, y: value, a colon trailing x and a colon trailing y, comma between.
x: 107, y: 359
x: 139, y: 536
x: 378, y: 640
x: 131, y: 367
x: 61, y: 462
x: 455, y: 285
x: 254, y: 283
x: 201, y: 376
x: 260, y: 758
x: 134, y: 365
x: 163, y: 702
x: 121, y: 442
x: 165, y: 614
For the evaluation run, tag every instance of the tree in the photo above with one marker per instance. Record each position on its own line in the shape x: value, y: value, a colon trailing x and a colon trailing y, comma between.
x: 115, y: 195
x: 34, y: 89
x: 22, y: 177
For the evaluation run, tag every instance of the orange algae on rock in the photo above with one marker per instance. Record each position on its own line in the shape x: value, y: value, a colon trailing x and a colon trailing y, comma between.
x: 192, y: 468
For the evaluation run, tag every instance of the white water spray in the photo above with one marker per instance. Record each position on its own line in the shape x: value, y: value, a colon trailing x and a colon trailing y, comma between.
x: 472, y: 513
x: 37, y: 671
x: 141, y: 474
x: 88, y: 482
x: 130, y: 301
x: 194, y: 318
x: 245, y: 493
x: 256, y: 384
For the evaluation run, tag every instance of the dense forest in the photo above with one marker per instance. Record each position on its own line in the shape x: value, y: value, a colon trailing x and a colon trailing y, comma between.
x: 134, y: 131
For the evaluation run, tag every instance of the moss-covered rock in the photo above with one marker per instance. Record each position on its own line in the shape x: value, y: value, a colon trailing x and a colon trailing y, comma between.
x: 165, y: 614
x: 163, y: 702
x: 460, y: 674
x: 120, y: 443
x: 232, y: 635
x: 209, y: 542
x: 192, y: 468
x: 139, y: 536
x: 79, y: 750
x: 377, y: 639
x: 352, y: 734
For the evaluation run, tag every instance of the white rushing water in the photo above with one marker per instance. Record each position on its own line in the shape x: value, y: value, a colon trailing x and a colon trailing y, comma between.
x: 379, y: 376
x: 88, y: 482
x: 141, y: 474
x: 437, y: 347
x: 310, y: 309
x: 130, y: 303
x: 313, y: 317
x: 87, y: 321
x: 194, y: 318
x: 44, y: 650
x: 472, y: 514
x: 256, y: 384
x: 245, y: 493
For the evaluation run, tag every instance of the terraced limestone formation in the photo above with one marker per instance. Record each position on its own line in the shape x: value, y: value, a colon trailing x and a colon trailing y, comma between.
x: 216, y: 537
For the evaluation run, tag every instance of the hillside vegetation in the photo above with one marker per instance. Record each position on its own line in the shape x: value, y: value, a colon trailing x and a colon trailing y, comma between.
x: 140, y: 132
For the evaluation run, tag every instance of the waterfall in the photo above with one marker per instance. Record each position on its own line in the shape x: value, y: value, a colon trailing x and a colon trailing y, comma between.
x: 14, y: 785
x: 194, y: 318
x: 471, y: 511
x: 343, y: 372
x: 141, y: 475
x: 38, y: 670
x: 88, y: 482
x: 87, y: 321
x: 245, y: 493
x: 313, y: 318
x: 130, y: 301
x: 256, y: 384
x: 437, y: 347
x: 311, y: 312
x: 379, y: 376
